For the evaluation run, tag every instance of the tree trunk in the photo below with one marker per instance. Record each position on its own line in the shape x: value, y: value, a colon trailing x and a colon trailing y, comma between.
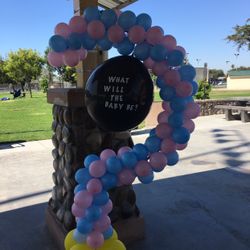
x: 29, y: 87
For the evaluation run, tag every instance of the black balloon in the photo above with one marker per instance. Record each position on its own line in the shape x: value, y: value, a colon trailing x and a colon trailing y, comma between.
x: 119, y: 93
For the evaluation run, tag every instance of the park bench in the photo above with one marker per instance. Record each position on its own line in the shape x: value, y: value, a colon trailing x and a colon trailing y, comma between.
x: 233, y: 112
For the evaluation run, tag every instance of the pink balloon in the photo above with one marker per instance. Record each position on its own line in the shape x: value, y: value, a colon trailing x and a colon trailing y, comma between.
x: 107, y: 208
x: 106, y: 153
x: 62, y: 29
x: 96, y: 29
x: 163, y: 130
x: 77, y: 211
x: 172, y: 77
x: 159, y: 68
x: 77, y: 24
x: 71, y: 58
x: 168, y: 145
x: 181, y: 49
x: 149, y: 63
x: 118, y: 12
x: 189, y: 125
x: 82, y: 53
x: 181, y: 146
x: 97, y: 168
x: 154, y: 35
x: 184, y: 89
x: 163, y: 117
x: 115, y: 33
x: 169, y: 42
x: 102, y: 224
x: 158, y: 160
x: 55, y: 59
x: 126, y: 176
x: 136, y: 34
x: 192, y: 110
x: 94, y: 186
x: 124, y: 149
x: 95, y: 239
x: 83, y: 199
x: 143, y: 168
x: 166, y: 107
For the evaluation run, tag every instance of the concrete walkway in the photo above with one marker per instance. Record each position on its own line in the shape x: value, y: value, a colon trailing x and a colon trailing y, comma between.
x: 202, y: 203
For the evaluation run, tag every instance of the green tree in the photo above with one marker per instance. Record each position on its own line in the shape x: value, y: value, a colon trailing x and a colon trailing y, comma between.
x: 4, y: 78
x: 241, y: 35
x: 203, y: 90
x: 215, y: 73
x: 23, y: 66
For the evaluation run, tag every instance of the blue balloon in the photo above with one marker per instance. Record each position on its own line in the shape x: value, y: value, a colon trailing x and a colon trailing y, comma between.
x: 87, y: 42
x: 153, y: 144
x: 129, y: 159
x: 75, y: 41
x: 181, y: 135
x: 167, y: 93
x: 146, y: 179
x: 178, y: 104
x: 195, y: 87
x: 152, y: 132
x: 140, y: 151
x: 176, y: 119
x: 108, y: 17
x: 84, y: 226
x: 160, y: 82
x: 114, y: 165
x: 187, y: 73
x: 93, y: 213
x: 142, y: 51
x: 78, y: 237
x: 58, y: 43
x: 127, y: 19
x: 105, y: 43
x: 79, y: 187
x: 144, y: 20
x: 158, y: 53
x: 82, y: 176
x: 109, y: 181
x: 175, y: 58
x: 89, y: 159
x: 108, y: 233
x: 101, y: 198
x: 91, y: 13
x: 125, y: 47
x: 172, y: 158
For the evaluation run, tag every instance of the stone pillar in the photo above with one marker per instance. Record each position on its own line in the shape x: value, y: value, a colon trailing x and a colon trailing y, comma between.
x: 75, y: 136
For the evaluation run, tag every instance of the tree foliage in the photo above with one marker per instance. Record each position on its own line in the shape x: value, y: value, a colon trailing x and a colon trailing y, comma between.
x: 4, y: 78
x: 215, y: 73
x: 241, y: 35
x: 203, y: 90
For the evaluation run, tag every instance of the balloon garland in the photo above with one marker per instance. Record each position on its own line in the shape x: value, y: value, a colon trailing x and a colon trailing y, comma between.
x: 129, y: 34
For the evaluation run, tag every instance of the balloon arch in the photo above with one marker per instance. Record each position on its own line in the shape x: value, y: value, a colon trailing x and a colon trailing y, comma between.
x: 135, y: 36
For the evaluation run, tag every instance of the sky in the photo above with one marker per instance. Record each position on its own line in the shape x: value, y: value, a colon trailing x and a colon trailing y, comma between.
x: 199, y: 26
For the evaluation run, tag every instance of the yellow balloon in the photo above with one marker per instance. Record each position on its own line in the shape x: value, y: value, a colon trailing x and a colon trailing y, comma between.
x: 114, y: 235
x: 118, y: 245
x: 69, y: 240
x: 81, y: 247
x: 112, y: 245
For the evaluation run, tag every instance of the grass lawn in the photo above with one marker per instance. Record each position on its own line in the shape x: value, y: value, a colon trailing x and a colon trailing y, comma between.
x: 25, y: 119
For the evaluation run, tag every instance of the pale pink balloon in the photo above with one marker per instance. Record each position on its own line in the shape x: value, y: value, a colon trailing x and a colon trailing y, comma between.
x: 78, y: 24
x: 154, y: 35
x: 127, y: 176
x: 189, y: 125
x: 192, y: 110
x: 149, y: 63
x: 94, y: 186
x: 163, y: 130
x: 96, y: 29
x: 181, y: 49
x: 172, y: 77
x: 83, y: 199
x: 55, y: 59
x: 143, y: 168
x: 136, y: 34
x: 169, y: 42
x: 158, y: 160
x: 181, y: 146
x: 97, y: 168
x: 184, y: 89
x: 166, y: 107
x: 102, y: 224
x: 168, y: 145
x: 95, y: 239
x: 106, y: 153
x: 71, y: 58
x: 77, y: 211
x: 124, y: 149
x: 116, y: 33
x: 163, y: 117
x: 107, y: 208
x: 159, y: 68
x: 82, y: 53
x: 62, y: 29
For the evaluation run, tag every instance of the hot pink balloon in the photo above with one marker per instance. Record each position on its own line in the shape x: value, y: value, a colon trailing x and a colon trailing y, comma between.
x: 62, y: 29
x: 192, y: 110
x: 143, y: 168
x: 106, y: 153
x: 55, y: 59
x: 184, y: 89
x: 181, y: 146
x: 159, y: 68
x: 126, y: 176
x: 96, y: 29
x: 94, y: 186
x: 77, y: 24
x: 115, y: 33
x: 158, y: 160
x: 166, y: 107
x: 71, y: 58
x: 172, y: 77
x: 154, y: 35
x: 95, y: 239
x: 77, y: 211
x: 107, y: 208
x: 163, y: 117
x: 181, y: 49
x: 136, y: 34
x: 163, y: 130
x: 169, y: 42
x: 83, y: 199
x: 124, y: 149
x: 102, y: 224
x: 168, y: 145
x: 189, y: 125
x: 82, y: 54
x: 97, y: 168
x: 149, y: 63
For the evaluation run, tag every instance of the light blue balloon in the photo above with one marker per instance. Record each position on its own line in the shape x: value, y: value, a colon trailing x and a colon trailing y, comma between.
x: 178, y: 104
x: 84, y: 226
x: 195, y: 87
x: 87, y: 42
x: 181, y: 135
x: 79, y: 188
x: 141, y: 151
x: 101, y: 198
x: 176, y: 119
x: 58, y: 43
x: 89, y: 159
x: 175, y: 58
x: 78, y: 237
x: 167, y: 93
x: 142, y: 51
x: 144, y: 20
x: 125, y: 47
x: 105, y: 43
x: 146, y: 179
x: 108, y: 233
x: 153, y: 144
x: 93, y: 213
x: 108, y: 17
x: 160, y: 83
x: 127, y: 19
x: 158, y: 53
x: 172, y: 158
x: 74, y: 41
x: 82, y: 176
x: 129, y: 159
x: 114, y: 165
x: 187, y: 72
x: 91, y: 13
x: 109, y: 181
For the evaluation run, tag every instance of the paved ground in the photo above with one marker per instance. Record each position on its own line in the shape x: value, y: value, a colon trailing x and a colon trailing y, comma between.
x: 202, y: 203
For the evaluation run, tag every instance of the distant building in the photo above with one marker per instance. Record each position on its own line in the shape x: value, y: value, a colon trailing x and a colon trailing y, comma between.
x: 202, y: 73
x: 238, y: 80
